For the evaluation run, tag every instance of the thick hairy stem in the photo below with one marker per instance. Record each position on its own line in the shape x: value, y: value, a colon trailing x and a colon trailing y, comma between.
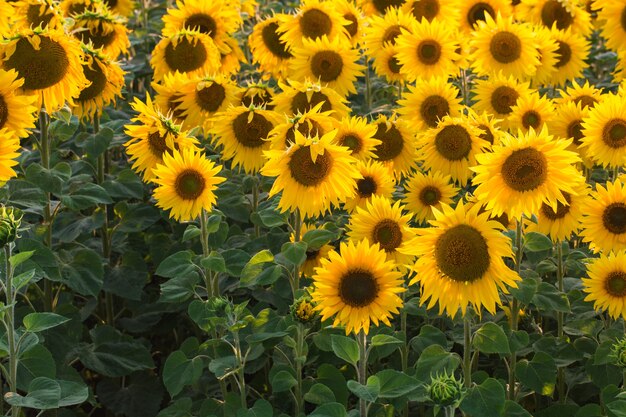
x: 10, y: 300
x: 560, y: 318
x: 362, y: 339
x: 467, y: 351
x: 44, y: 141
x: 515, y: 307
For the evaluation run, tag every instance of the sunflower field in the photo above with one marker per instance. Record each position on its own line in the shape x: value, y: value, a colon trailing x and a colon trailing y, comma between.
x: 315, y: 208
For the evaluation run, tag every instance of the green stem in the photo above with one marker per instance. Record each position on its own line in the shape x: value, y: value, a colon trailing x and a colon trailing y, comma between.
x: 44, y: 140
x: 449, y: 411
x: 362, y: 374
x: 404, y: 349
x: 255, y: 204
x: 10, y: 299
x: 515, y: 306
x: 299, y: 363
x: 240, y: 372
x: 206, y: 250
x: 467, y: 350
x: 560, y: 318
x: 368, y: 87
x: 297, y: 228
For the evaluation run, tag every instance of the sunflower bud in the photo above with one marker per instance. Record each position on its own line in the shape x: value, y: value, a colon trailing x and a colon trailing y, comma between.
x: 10, y: 221
x: 618, y: 352
x: 302, y: 309
x: 445, y: 390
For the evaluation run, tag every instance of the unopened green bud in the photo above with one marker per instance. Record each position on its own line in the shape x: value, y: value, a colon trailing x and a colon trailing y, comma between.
x: 303, y: 309
x: 618, y: 352
x: 10, y: 221
x: 445, y: 389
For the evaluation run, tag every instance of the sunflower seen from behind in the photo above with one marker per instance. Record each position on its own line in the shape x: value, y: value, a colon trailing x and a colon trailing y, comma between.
x: 425, y: 192
x: 604, y: 223
x: 460, y: 261
x: 606, y: 283
x: 17, y: 111
x: 312, y: 175
x: 524, y: 171
x: 429, y: 101
x: 242, y: 134
x: 604, y: 132
x: 50, y: 62
x: 186, y: 182
x: 358, y: 286
x: 377, y: 180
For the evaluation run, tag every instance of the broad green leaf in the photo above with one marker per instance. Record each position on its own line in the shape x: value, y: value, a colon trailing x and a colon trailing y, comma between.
x: 48, y: 394
x: 394, y: 384
x: 549, y: 298
x: 38, y: 322
x: 485, y: 400
x: 490, y: 338
x: 85, y: 196
x: 435, y: 359
x: 367, y: 392
x: 179, y: 371
x: 255, y: 266
x: 35, y: 362
x: 214, y: 262
x: 513, y: 409
x: 537, y: 242
x: 283, y: 381
x: 539, y: 374
x: 85, y: 273
x: 295, y: 253
x: 384, y: 339
x: 175, y: 265
x: 319, y: 394
x: 345, y: 348
x: 329, y: 410
x: 18, y: 258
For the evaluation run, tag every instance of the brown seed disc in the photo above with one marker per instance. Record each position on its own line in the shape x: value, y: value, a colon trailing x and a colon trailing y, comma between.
x: 430, y: 195
x: 314, y: 24
x: 478, y: 12
x: 383, y: 5
x: 462, y: 254
x: 202, y: 23
x: 211, y: 98
x: 575, y: 131
x: 586, y: 101
x: 525, y: 169
x: 366, y: 187
x: 531, y: 119
x: 156, y: 144
x: 614, y: 218
x: 251, y: 134
x: 425, y: 9
x: 453, y: 142
x: 189, y: 184
x: 503, y: 98
x: 4, y: 112
x: 554, y: 12
x: 175, y: 108
x: 394, y: 65
x: 271, y: 39
x: 35, y: 18
x: 358, y: 288
x: 433, y: 109
x: 308, y: 128
x: 561, y: 209
x: 353, y: 26
x: 300, y: 103
x: 41, y: 68
x: 185, y: 56
x: 351, y: 141
x: 392, y: 142
x: 97, y: 37
x: 487, y: 133
x: 326, y: 65
x: 615, y: 284
x: 387, y: 234
x: 429, y: 52
x: 258, y: 100
x: 614, y: 133
x: 505, y: 47
x: 306, y: 172
x: 564, y: 52
x: 98, y: 83
x: 392, y: 33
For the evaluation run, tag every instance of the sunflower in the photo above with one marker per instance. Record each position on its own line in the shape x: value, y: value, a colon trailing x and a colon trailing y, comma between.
x: 572, y: 52
x: 71, y: 7
x: 426, y: 50
x: 384, y: 30
x: 474, y: 11
x: 257, y: 94
x: 332, y: 62
x: 397, y: 148
x: 525, y: 171
x: 299, y: 97
x: 451, y: 148
x: 9, y: 152
x: 425, y: 192
x: 49, y: 61
x: 487, y: 124
x: 354, y: 20
x: 102, y: 29
x: 502, y: 46
x: 386, y: 65
x: 268, y: 50
x: 381, y: 221
x: 120, y: 7
x: 17, y: 111
x: 168, y: 96
x: 312, y: 174
x: 443, y: 10
x: 606, y: 285
x: 547, y: 48
x: 358, y: 135
x: 215, y: 18
x: 568, y: 124
x: 428, y: 102
x: 186, y: 181
x: 314, y: 256
x: 6, y: 18
x: 604, y: 132
x: 154, y: 136
x: 371, y: 8
x: 604, y: 224
x: 310, y: 124
x: 559, y: 224
x: 461, y: 261
x: 188, y: 52
x: 231, y: 56
x: 376, y: 181
x: 27, y: 14
x: 313, y: 20
x: 558, y: 14
x: 107, y: 80
x: 357, y: 286
x: 498, y: 95
x: 242, y: 133
x: 613, y: 15
x: 585, y: 94
x: 531, y: 111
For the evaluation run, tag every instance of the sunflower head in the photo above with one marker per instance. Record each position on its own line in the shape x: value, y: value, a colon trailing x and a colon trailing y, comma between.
x: 606, y: 283
x: 102, y: 30
x: 299, y: 97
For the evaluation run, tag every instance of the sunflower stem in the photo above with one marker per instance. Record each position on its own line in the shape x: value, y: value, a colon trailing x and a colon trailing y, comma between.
x: 404, y: 349
x: 368, y: 87
x: 467, y: 350
x: 362, y: 374
x: 44, y: 140
x: 204, y: 236
x: 297, y: 228
x: 515, y: 305
x: 10, y: 321
x: 464, y: 87
x: 301, y: 331
x: 255, y: 204
x: 560, y: 317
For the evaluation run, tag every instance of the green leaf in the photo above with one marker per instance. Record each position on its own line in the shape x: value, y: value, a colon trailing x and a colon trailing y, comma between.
x: 214, y: 262
x: 269, y: 217
x: 485, y: 400
x: 85, y: 196
x: 536, y: 242
x: 179, y: 289
x: 254, y: 267
x: 38, y: 322
x: 329, y: 410
x: 295, y: 253
x: 345, y: 348
x: 97, y: 144
x: 513, y: 409
x: 179, y: 371
x: 175, y: 265
x: 526, y: 289
x: 48, y: 394
x: 191, y: 232
x: 85, y: 273
x: 35, y: 362
x: 261, y: 408
x: 435, y: 359
x: 319, y: 394
x: 539, y: 374
x: 618, y: 408
x: 18, y: 258
x: 317, y: 238
x: 48, y: 180
x: 549, y: 298
x: 490, y: 338
x: 384, y: 339
x: 394, y: 384
x: 283, y: 381
x: 367, y: 392
x: 428, y: 336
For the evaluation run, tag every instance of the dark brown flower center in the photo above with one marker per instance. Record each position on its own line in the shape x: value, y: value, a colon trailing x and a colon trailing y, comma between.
x: 478, y: 12
x: 531, y: 119
x: 392, y: 33
x: 4, y: 112
x: 202, y: 23
x: 311, y: 255
x: 186, y: 56
x: 326, y: 65
x: 433, y: 109
x: 585, y: 100
x: 258, y: 99
x: 430, y: 195
x: 564, y: 51
x: 425, y: 9
x: 110, y: 3
x: 97, y: 36
x: 98, y: 83
x: 308, y: 128
x: 615, y: 283
x: 271, y: 39
x: 352, y: 142
x: 301, y: 104
x: 554, y: 12
x: 561, y: 209
x: 314, y: 24
x: 525, y: 169
x: 353, y: 26
x: 211, y: 97
x: 623, y: 19
x: 156, y: 144
x: 36, y: 17
x: 614, y: 218
x: 382, y: 6
x: 174, y: 106
x: 387, y: 234
x: 306, y: 172
x: 189, y: 184
x: 503, y: 98
x: 614, y: 133
x: 453, y: 142
x: 366, y: 187
x: 358, y: 288
x: 505, y: 47
x: 391, y: 144
x: 462, y: 254
x: 487, y: 133
x: 575, y: 131
x: 251, y: 133
x: 429, y: 52
x: 40, y: 68
x: 394, y: 65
